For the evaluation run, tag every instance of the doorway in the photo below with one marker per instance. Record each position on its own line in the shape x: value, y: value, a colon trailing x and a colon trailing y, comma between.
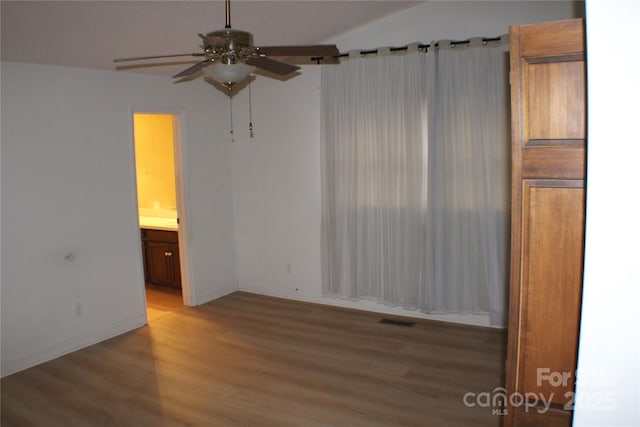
x: 158, y: 160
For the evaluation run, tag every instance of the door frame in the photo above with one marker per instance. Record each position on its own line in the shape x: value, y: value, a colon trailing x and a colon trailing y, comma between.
x: 181, y: 200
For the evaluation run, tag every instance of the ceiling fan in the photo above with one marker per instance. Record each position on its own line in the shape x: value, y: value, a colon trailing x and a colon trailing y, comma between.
x: 230, y: 56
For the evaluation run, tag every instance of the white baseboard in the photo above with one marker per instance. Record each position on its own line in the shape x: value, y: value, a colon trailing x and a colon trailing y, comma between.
x: 462, y: 318
x: 71, y: 344
x: 215, y: 294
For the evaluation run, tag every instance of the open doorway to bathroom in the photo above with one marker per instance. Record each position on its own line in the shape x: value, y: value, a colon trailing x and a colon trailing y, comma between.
x: 159, y: 190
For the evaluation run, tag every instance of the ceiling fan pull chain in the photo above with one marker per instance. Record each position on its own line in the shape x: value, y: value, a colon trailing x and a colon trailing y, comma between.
x: 250, y: 113
x: 231, y: 120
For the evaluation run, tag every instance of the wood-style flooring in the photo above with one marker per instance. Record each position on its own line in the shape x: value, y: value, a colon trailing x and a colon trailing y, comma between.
x: 250, y: 360
x: 162, y: 302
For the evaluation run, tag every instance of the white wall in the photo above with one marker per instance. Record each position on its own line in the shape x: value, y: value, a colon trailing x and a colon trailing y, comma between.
x: 276, y: 178
x: 68, y: 187
x: 276, y: 175
x: 457, y: 20
x: 608, y: 387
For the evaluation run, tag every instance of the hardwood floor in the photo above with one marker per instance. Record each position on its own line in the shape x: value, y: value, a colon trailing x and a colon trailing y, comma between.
x: 250, y: 360
x: 162, y: 302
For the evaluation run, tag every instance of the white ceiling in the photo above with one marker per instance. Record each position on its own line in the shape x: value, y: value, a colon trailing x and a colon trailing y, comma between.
x: 90, y: 34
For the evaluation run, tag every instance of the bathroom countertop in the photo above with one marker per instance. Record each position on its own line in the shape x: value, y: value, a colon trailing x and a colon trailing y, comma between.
x: 158, y: 223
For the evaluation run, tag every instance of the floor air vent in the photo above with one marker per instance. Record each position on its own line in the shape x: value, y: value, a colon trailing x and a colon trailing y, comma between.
x: 398, y: 322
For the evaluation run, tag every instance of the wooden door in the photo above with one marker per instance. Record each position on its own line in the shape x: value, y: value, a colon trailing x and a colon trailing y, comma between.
x: 548, y: 204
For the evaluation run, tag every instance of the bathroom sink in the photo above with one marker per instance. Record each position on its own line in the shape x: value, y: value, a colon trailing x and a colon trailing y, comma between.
x: 158, y: 223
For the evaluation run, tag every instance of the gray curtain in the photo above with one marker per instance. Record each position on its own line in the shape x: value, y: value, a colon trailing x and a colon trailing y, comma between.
x: 468, y: 183
x: 415, y: 179
x: 374, y: 169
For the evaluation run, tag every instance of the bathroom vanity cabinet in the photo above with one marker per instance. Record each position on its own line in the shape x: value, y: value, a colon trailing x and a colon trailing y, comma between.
x: 161, y: 258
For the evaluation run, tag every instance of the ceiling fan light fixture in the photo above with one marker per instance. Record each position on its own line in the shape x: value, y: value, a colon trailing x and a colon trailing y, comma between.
x: 229, y: 74
x: 229, y: 56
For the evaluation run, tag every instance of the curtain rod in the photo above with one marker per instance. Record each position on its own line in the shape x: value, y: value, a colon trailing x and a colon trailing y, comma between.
x: 453, y: 43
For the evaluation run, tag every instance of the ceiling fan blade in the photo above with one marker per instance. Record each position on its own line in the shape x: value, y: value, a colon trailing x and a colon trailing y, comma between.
x: 311, y: 50
x: 139, y: 58
x: 150, y: 65
x: 193, y: 69
x: 272, y: 65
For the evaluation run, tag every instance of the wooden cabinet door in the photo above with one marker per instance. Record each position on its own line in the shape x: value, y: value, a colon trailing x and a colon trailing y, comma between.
x: 173, y: 257
x: 161, y: 258
x: 160, y: 263
x: 547, y: 218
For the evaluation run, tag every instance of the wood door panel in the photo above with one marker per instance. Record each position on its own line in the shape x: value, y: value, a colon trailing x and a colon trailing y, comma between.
x: 551, y: 282
x: 555, y: 100
x: 549, y: 418
x: 551, y: 38
x: 559, y: 162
